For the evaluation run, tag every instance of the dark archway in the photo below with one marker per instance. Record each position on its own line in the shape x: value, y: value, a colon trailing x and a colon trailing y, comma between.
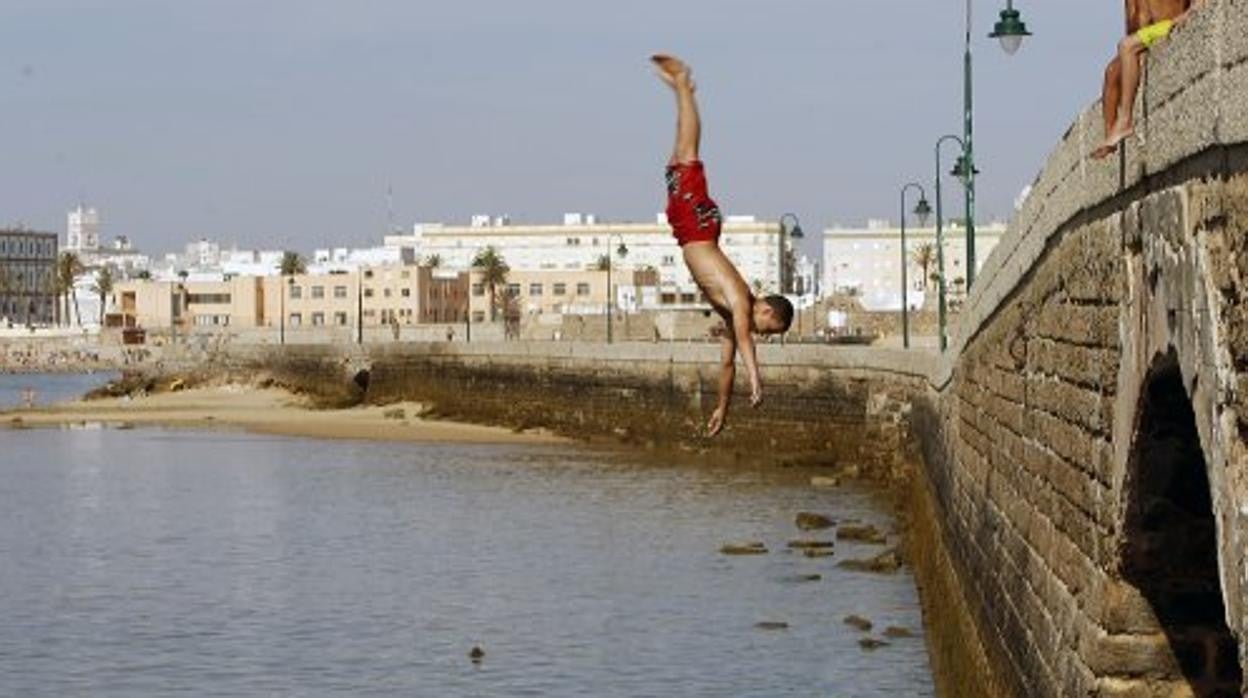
x: 1170, y: 548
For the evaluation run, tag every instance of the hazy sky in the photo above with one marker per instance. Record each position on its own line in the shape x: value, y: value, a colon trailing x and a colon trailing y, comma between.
x: 282, y: 122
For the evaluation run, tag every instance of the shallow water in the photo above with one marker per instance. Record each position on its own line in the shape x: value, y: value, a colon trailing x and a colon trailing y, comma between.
x: 152, y: 562
x: 48, y: 389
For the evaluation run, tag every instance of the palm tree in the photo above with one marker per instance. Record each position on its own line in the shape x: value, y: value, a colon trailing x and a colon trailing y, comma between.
x: 293, y: 263
x: 433, y: 261
x: 103, y: 286
x: 68, y: 268
x: 493, y: 274
x: 8, y: 285
x: 925, y: 256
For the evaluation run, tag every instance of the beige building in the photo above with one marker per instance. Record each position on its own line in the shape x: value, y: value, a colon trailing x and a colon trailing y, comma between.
x: 556, y: 292
x: 372, y: 297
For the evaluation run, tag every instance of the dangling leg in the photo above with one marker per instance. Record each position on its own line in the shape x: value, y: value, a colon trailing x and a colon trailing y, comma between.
x: 1111, y: 95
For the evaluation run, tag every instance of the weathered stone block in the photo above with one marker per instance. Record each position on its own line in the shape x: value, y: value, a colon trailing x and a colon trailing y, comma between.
x: 1181, y: 128
x: 1186, y: 58
x: 1129, y: 655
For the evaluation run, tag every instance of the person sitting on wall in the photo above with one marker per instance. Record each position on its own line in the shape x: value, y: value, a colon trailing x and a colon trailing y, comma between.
x: 1148, y: 22
x: 696, y: 222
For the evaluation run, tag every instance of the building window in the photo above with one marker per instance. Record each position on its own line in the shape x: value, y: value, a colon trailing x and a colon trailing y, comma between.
x: 296, y: 319
x: 561, y: 289
x: 688, y: 298
x: 405, y: 275
x: 207, y: 298
x: 478, y: 316
x: 386, y: 293
x: 318, y: 319
x: 370, y: 313
x: 368, y: 273
x: 478, y: 289
x: 318, y: 292
x: 407, y: 292
x: 368, y: 293
x: 582, y: 289
x: 535, y: 289
x: 669, y: 260
x: 340, y: 292
x: 340, y: 319
x: 296, y: 291
x: 513, y: 290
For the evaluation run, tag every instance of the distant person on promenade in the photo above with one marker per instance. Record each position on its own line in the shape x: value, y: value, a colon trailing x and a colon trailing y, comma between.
x: 1148, y: 22
x: 696, y: 223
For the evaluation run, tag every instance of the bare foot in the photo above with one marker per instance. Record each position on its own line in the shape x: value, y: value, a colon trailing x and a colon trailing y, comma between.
x: 1103, y: 152
x: 672, y: 70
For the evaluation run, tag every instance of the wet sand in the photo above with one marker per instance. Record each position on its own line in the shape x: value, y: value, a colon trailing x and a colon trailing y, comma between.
x: 269, y: 411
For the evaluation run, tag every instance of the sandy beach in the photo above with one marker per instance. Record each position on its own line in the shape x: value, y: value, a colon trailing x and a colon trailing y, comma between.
x: 269, y: 411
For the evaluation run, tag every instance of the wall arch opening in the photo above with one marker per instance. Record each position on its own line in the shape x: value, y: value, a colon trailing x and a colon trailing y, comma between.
x: 1170, y: 551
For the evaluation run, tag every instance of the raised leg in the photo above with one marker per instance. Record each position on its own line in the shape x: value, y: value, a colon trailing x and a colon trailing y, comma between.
x: 688, y: 122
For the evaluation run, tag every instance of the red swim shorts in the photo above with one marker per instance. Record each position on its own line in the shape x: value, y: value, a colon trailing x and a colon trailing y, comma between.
x: 694, y: 217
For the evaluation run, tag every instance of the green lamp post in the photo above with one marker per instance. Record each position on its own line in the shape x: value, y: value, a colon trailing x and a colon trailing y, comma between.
x: 623, y: 252
x: 940, y: 237
x: 787, y: 233
x: 921, y: 211
x: 1010, y: 30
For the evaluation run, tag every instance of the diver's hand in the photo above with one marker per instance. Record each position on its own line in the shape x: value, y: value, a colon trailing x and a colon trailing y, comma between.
x: 756, y: 391
x: 716, y: 424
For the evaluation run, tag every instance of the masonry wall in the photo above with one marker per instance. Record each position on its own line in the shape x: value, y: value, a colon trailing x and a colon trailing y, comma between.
x: 1038, y: 460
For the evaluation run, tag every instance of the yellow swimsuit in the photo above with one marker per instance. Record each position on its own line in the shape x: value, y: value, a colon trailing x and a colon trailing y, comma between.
x: 1155, y: 32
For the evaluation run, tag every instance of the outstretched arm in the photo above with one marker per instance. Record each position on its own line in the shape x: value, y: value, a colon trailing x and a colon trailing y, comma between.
x: 740, y: 301
x: 727, y: 374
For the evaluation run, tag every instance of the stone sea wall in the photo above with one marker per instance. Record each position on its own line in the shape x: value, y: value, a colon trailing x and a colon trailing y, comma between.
x: 1085, y: 448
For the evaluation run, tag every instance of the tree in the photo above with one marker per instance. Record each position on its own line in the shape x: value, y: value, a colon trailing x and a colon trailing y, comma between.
x: 493, y: 274
x: 433, y: 261
x: 925, y: 256
x: 144, y: 275
x: 103, y: 286
x: 8, y: 285
x: 603, y: 263
x: 68, y: 268
x: 293, y: 263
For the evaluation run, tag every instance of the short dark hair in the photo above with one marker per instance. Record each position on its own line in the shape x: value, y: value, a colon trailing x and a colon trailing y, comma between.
x: 782, y: 308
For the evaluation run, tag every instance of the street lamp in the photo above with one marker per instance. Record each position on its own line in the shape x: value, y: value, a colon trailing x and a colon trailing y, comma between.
x: 958, y: 171
x: 786, y: 273
x: 921, y: 212
x: 359, y: 305
x: 1010, y: 30
x: 623, y: 252
x: 281, y: 313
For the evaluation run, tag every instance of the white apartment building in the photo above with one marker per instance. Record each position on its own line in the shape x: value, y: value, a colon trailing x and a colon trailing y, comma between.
x: 82, y: 229
x: 339, y: 260
x: 867, y: 261
x: 581, y: 241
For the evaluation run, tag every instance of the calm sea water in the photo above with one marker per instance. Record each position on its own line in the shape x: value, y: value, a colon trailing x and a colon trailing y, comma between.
x: 48, y: 389
x: 160, y: 562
